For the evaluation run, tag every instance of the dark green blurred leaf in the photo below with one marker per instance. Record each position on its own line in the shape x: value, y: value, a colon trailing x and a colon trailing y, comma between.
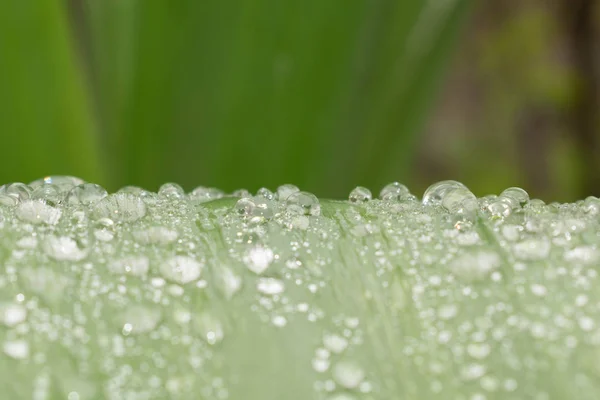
x: 44, y: 116
x: 325, y: 94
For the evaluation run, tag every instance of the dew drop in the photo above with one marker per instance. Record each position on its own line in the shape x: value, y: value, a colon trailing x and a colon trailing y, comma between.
x: 394, y: 191
x: 171, y: 191
x: 360, y: 195
x: 244, y: 207
x: 209, y: 327
x: 258, y: 259
x: 270, y: 286
x: 284, y: 191
x: 335, y: 343
x: 181, y: 269
x: 460, y: 200
x: 447, y: 311
x: 17, y: 349
x: 155, y: 235
x: 203, y: 194
x: 265, y: 194
x: 62, y: 183
x: 534, y: 248
x: 435, y: 193
x: 520, y: 196
x: 64, y: 248
x: 478, y: 351
x: 120, y: 207
x: 474, y: 265
x: 348, y: 374
x: 303, y: 203
x: 12, y: 314
x: 18, y: 191
x: 86, y: 194
x: 37, y: 212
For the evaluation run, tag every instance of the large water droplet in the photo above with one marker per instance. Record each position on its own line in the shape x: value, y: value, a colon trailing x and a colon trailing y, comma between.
x: 181, y: 269
x: 37, y: 212
x: 303, y: 203
x: 460, y: 200
x: 284, y: 191
x: 360, y: 195
x: 64, y: 248
x: 435, y: 193
x: 120, y: 207
x: 348, y: 374
x: 87, y: 194
x: 394, y: 191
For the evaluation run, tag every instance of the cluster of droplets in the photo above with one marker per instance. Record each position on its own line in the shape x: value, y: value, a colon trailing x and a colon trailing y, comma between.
x: 171, y: 294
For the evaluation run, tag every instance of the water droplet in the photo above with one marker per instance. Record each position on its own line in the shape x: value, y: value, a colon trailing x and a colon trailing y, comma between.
x: 171, y: 191
x: 284, y: 191
x: 360, y: 195
x: 534, y: 248
x: 538, y: 289
x: 258, y: 259
x: 348, y: 374
x: 244, y: 207
x: 120, y: 207
x: 17, y: 349
x: 270, y: 286
x: 87, y: 194
x: 62, y: 183
x: 303, y: 203
x: 203, y: 194
x: 132, y: 265
x: 335, y: 343
x: 474, y: 265
x: 478, y: 351
x: 591, y: 205
x: 447, y: 311
x: 279, y: 321
x: 241, y: 193
x: 586, y: 255
x: 460, y: 200
x: 48, y: 194
x: 181, y: 269
x: 435, y: 193
x: 265, y: 194
x: 138, y: 319
x: 230, y: 282
x: 18, y: 191
x: 12, y: 314
x: 37, y: 212
x: 320, y: 364
x: 64, y: 248
x: 394, y: 191
x: 209, y: 327
x: 104, y: 229
x: 520, y: 196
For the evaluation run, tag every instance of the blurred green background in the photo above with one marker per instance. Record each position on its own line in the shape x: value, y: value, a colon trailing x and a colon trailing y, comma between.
x: 325, y: 94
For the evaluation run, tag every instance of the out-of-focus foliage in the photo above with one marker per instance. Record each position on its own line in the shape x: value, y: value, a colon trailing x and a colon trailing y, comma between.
x: 325, y: 94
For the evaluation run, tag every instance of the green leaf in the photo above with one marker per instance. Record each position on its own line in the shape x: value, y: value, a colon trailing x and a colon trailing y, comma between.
x: 229, y: 93
x: 45, y: 117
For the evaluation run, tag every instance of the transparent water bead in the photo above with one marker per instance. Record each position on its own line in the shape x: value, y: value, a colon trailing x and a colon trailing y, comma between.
x: 348, y: 374
x: 138, y: 319
x: 499, y: 209
x: 12, y: 314
x: 394, y: 191
x: 244, y: 207
x: 64, y: 248
x: 460, y: 200
x: 360, y: 195
x: 474, y: 265
x: 303, y: 203
x: 520, y: 196
x: 335, y: 343
x: 86, y: 194
x: 48, y: 194
x: 209, y: 327
x: 38, y: 212
x: 284, y: 191
x: 434, y: 195
x: 63, y: 184
x: 171, y: 191
x: 18, y: 191
x: 265, y: 194
x: 203, y: 194
x: 534, y: 248
x: 120, y: 207
x: 181, y: 269
x: 270, y: 286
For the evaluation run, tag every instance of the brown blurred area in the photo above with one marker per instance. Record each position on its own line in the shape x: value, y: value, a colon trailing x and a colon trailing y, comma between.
x: 521, y: 102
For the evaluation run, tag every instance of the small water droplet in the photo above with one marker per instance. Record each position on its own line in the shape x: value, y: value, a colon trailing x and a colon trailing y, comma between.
x: 12, y: 314
x: 534, y: 248
x: 360, y: 195
x: 447, y: 311
x: 348, y: 374
x: 17, y: 349
x: 138, y: 319
x: 270, y: 286
x: 241, y: 193
x: 258, y: 259
x: 209, y: 327
x: 435, y: 193
x: 171, y: 191
x: 474, y: 265
x: 520, y: 196
x: 18, y: 191
x: 203, y: 194
x: 335, y: 343
x: 303, y: 203
x: 155, y: 235
x: 265, y: 194
x: 478, y: 351
x: 394, y: 191
x: 181, y: 269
